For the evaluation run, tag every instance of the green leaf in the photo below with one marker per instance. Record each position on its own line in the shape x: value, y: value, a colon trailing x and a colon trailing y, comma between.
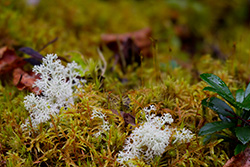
x: 243, y: 134
x: 213, y: 127
x: 240, y: 95
x: 218, y: 86
x: 208, y: 88
x: 216, y: 83
x: 246, y: 103
x: 218, y: 106
x: 239, y: 148
x: 247, y: 92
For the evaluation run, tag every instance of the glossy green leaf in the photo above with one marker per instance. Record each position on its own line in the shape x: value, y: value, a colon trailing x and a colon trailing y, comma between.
x: 243, y: 134
x: 240, y: 94
x: 210, y: 128
x: 208, y: 88
x: 218, y: 86
x: 247, y: 91
x: 239, y: 148
x: 246, y: 103
x: 218, y: 106
x: 216, y: 83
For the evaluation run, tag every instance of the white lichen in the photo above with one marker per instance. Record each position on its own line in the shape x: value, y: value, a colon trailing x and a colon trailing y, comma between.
x: 151, y: 138
x: 183, y: 136
x: 105, y: 127
x: 57, y: 84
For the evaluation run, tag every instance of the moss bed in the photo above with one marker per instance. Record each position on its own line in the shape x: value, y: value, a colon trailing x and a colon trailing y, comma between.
x: 188, y: 38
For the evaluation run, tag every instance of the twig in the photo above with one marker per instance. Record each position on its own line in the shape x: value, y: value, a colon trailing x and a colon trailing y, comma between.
x: 50, y: 42
x: 238, y: 117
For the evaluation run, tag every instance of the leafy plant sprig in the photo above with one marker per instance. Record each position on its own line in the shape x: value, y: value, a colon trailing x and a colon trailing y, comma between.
x: 237, y: 120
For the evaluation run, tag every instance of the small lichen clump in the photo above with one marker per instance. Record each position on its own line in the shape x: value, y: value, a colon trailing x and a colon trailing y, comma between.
x: 57, y: 84
x: 151, y: 138
x: 105, y: 127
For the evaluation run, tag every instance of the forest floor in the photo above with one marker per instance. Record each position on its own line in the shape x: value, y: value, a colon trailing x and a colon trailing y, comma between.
x: 139, y: 81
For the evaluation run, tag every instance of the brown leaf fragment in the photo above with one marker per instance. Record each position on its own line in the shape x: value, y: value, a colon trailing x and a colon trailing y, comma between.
x: 240, y: 160
x: 128, y: 118
x: 9, y: 60
x: 129, y: 47
x: 2, y: 50
x: 129, y: 54
x: 24, y: 80
x: 141, y: 39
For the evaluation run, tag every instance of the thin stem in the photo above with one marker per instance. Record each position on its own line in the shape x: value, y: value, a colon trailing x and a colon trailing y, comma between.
x: 238, y: 117
x: 50, y: 42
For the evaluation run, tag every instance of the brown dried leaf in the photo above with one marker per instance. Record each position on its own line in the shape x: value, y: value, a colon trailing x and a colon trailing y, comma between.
x: 141, y: 39
x: 128, y: 118
x: 240, y: 160
x: 9, y: 60
x: 128, y: 47
x: 24, y: 80
x: 2, y: 50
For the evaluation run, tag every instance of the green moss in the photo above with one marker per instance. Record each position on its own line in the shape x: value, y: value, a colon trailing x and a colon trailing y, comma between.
x: 170, y: 79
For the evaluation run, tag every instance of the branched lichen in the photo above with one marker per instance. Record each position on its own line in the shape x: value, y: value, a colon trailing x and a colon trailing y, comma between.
x: 97, y: 113
x: 151, y: 138
x: 57, y: 85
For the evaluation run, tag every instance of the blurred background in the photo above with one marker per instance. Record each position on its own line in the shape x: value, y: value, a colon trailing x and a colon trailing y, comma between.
x: 183, y: 31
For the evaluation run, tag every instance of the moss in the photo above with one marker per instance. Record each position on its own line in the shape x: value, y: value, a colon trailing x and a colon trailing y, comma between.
x: 170, y: 79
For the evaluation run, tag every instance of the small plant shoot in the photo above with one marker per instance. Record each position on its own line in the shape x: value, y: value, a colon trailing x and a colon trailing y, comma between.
x: 233, y: 112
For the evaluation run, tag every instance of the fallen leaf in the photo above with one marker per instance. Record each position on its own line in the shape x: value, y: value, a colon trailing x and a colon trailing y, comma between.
x: 24, y: 80
x: 141, y: 39
x: 128, y: 118
x: 240, y: 160
x: 9, y: 60
x: 129, y: 54
x: 36, y: 57
x: 2, y: 50
x: 31, y: 52
x: 129, y: 47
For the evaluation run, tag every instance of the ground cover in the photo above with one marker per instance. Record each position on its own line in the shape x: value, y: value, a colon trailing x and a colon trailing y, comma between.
x: 124, y: 85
